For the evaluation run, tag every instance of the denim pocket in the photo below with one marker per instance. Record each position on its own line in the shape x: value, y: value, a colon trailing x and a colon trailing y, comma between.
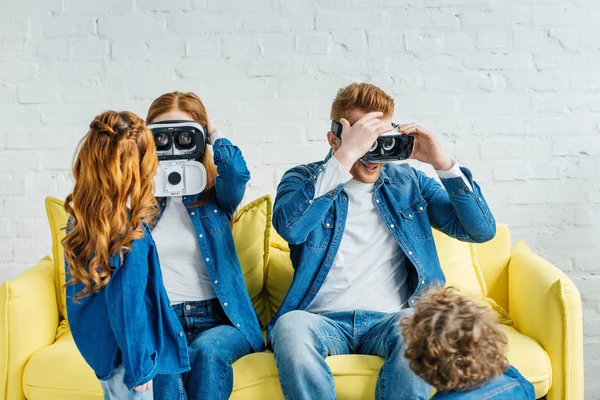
x: 213, y: 219
x: 415, y: 216
x: 320, y: 237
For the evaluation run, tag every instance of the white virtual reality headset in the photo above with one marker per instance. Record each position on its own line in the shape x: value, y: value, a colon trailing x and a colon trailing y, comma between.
x: 178, y: 144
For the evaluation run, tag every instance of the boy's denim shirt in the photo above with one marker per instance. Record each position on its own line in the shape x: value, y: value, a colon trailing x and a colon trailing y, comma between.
x: 410, y: 204
x: 129, y: 322
x: 212, y: 223
x: 509, y: 386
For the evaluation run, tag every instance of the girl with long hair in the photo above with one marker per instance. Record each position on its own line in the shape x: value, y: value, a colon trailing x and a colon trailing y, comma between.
x: 117, y: 306
x: 201, y: 270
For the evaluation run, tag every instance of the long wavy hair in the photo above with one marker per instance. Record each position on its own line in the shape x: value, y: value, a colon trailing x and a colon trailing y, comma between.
x: 452, y: 343
x: 191, y: 104
x: 112, y: 198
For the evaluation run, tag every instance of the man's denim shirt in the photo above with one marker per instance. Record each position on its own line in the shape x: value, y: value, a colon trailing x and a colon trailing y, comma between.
x: 129, y: 322
x: 212, y: 223
x: 509, y: 386
x: 410, y: 204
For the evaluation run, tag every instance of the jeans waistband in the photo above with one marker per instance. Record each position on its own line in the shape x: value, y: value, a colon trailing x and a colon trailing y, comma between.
x: 210, y: 307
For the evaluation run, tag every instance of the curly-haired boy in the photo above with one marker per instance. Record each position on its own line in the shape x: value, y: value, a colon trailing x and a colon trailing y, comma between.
x: 456, y: 346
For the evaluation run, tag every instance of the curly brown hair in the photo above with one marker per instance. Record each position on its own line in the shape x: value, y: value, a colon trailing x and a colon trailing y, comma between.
x: 452, y: 343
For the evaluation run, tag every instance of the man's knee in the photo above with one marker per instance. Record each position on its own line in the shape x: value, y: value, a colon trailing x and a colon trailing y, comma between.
x: 293, y: 329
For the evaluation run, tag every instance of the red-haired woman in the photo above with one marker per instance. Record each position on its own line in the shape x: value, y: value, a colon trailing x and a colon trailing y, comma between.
x: 200, y: 267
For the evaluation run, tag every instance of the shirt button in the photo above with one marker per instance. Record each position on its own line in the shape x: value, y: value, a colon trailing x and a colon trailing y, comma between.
x: 216, y: 211
x: 421, y: 208
x: 200, y: 235
x: 238, y: 325
x: 410, y: 216
x: 313, y: 290
x: 410, y: 253
x: 376, y: 201
x: 208, y: 259
x: 328, y: 224
x: 422, y: 282
x: 412, y: 301
x: 193, y: 213
x: 310, y: 202
x: 392, y: 226
x: 180, y: 334
x: 224, y: 304
x: 340, y: 228
x: 329, y: 259
x: 344, y: 199
x: 216, y: 282
x: 314, y: 177
x: 480, y: 199
x: 188, y: 307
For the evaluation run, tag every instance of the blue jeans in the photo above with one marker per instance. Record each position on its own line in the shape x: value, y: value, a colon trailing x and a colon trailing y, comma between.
x: 302, y: 340
x: 213, y: 345
x: 115, y: 389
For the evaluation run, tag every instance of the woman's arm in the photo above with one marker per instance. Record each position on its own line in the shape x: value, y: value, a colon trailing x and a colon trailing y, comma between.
x: 128, y: 317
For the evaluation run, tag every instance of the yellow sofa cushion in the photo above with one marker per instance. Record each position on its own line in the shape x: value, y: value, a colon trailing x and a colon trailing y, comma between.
x: 251, y: 234
x: 251, y: 229
x: 460, y: 266
x: 59, y: 372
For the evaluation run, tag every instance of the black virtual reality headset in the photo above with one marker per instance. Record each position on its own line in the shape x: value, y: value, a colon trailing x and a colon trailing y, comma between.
x: 178, y: 144
x: 178, y: 140
x: 390, y: 146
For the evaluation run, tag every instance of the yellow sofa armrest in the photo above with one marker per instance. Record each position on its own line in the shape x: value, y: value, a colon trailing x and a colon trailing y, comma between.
x: 546, y: 306
x: 28, y: 323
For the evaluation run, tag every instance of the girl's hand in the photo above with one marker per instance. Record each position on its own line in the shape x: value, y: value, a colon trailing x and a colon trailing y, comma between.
x: 144, y: 387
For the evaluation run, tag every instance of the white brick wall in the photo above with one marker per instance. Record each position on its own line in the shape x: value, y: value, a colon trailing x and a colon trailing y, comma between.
x: 511, y: 88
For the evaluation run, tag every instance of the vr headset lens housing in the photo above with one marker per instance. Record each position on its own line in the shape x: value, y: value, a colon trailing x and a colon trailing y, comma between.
x: 178, y: 140
x: 390, y: 146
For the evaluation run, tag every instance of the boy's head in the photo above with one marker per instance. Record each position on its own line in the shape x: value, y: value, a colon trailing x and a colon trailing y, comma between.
x: 351, y: 103
x: 452, y: 343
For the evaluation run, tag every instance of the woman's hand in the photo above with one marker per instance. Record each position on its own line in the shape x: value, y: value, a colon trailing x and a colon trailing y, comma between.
x: 210, y: 127
x: 144, y: 387
x: 426, y: 149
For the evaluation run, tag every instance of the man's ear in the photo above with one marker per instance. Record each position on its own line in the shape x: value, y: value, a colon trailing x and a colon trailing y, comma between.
x: 334, y: 141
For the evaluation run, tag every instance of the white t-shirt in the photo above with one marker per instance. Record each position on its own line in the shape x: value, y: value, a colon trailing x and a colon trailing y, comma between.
x: 368, y: 272
x: 183, y: 269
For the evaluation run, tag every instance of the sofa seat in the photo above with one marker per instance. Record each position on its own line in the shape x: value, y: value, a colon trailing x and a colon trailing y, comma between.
x: 59, y: 372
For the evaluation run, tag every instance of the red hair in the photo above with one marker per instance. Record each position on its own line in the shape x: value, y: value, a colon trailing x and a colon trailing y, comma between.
x: 115, y: 165
x: 362, y: 96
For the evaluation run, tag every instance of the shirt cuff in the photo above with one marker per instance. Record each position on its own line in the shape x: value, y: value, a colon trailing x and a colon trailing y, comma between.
x: 454, y: 172
x: 333, y: 176
x: 215, y: 136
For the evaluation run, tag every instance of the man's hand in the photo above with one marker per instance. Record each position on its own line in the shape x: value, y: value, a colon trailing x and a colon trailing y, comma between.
x: 426, y: 149
x: 358, y: 139
x: 144, y: 387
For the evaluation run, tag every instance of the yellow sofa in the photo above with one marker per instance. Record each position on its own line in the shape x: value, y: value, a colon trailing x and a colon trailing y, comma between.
x: 543, y: 321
